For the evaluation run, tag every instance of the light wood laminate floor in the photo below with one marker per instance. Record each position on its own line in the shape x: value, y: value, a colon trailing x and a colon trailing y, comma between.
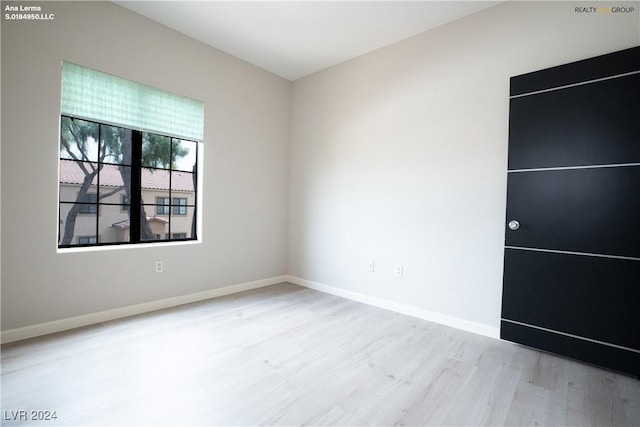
x: 286, y: 355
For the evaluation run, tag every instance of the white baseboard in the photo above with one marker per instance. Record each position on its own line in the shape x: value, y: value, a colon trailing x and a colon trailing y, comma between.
x: 17, y: 334
x: 454, y: 322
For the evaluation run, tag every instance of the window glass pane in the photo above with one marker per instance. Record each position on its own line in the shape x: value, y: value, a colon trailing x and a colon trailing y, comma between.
x: 113, y: 224
x: 156, y: 151
x: 184, y: 155
x: 85, y: 224
x: 73, y: 175
x: 78, y: 139
x: 111, y: 183
x: 155, y: 183
x: 153, y: 227
x: 115, y: 145
x: 68, y: 193
x: 182, y: 224
x: 182, y: 181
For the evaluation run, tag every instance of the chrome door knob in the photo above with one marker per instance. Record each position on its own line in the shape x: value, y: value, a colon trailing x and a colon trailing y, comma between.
x: 514, y: 225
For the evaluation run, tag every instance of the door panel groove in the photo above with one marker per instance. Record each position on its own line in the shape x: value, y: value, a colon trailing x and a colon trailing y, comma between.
x: 574, y: 85
x: 553, y: 251
x: 560, y: 168
x: 571, y: 335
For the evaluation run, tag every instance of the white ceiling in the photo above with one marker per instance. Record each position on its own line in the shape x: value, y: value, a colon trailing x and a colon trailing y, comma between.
x: 296, y: 38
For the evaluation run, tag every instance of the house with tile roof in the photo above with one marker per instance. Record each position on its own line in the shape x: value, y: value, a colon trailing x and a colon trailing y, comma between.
x: 168, y: 198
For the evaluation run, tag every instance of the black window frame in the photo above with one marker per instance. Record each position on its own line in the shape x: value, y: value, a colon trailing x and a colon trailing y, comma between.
x: 136, y: 201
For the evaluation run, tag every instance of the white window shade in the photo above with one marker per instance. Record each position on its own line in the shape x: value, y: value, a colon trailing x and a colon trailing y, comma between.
x: 104, y: 98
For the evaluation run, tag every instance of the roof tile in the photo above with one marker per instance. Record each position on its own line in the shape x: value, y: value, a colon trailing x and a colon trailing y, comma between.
x: 152, y: 179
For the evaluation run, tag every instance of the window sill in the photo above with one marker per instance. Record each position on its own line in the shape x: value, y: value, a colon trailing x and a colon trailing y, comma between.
x: 126, y: 246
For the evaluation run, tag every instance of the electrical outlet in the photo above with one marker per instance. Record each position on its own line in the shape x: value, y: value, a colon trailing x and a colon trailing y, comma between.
x: 159, y: 266
x: 372, y: 266
x: 399, y: 270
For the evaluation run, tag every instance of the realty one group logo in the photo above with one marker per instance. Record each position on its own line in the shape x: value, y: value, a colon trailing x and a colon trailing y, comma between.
x: 604, y: 9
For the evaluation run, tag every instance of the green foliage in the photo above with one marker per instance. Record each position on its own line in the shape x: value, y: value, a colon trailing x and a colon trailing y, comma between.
x: 114, y: 146
x: 79, y: 141
x: 160, y: 152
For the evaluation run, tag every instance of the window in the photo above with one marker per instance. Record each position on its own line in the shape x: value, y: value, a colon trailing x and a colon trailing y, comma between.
x: 88, y: 205
x: 100, y: 164
x: 128, y: 161
x: 124, y: 203
x: 179, y: 206
x: 162, y: 205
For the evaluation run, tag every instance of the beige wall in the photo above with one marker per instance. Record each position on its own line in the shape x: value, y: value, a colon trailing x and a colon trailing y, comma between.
x: 244, y: 166
x: 400, y: 156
